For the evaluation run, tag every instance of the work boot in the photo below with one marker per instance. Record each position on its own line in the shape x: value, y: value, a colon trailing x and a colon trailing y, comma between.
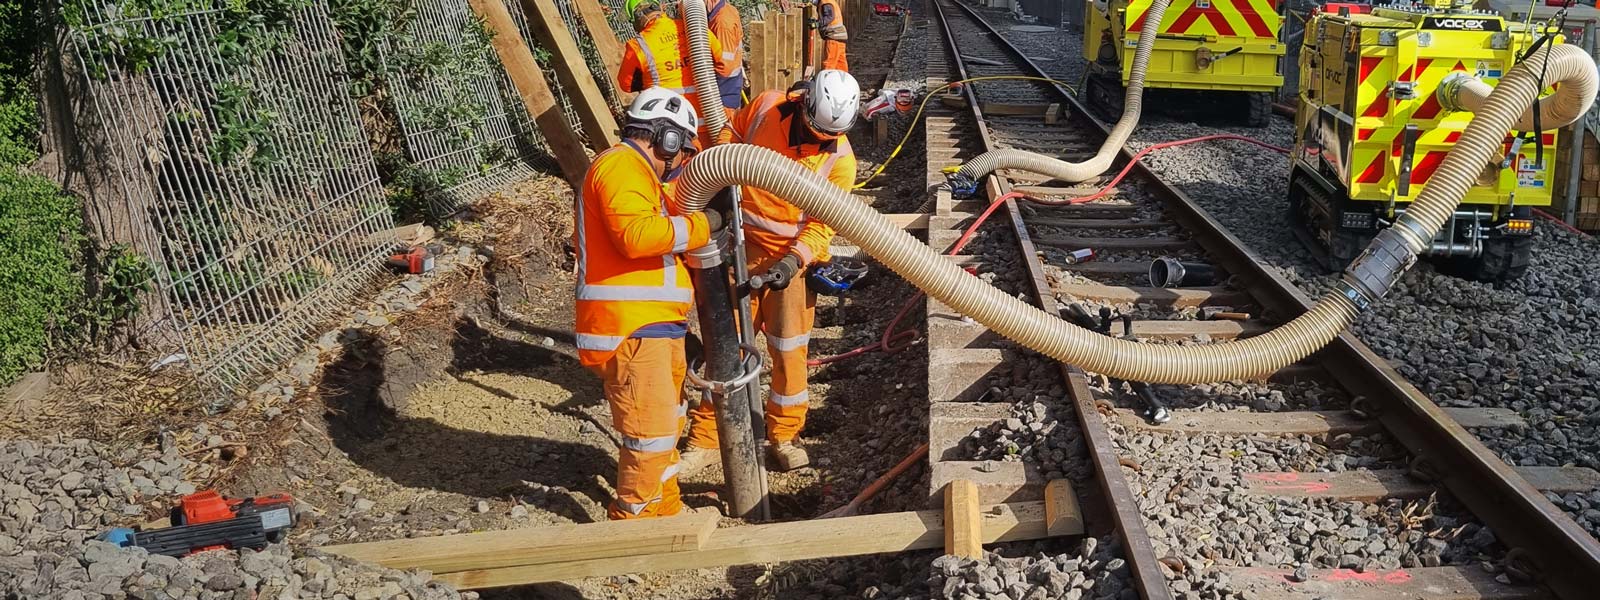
x: 786, y: 456
x: 693, y: 459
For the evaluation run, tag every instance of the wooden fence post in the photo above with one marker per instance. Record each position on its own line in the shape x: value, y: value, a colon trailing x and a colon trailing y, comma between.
x: 756, y: 34
x: 531, y: 86
x: 605, y: 38
x: 573, y: 72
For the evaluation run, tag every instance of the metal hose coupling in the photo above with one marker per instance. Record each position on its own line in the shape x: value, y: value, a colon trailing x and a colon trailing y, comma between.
x: 1370, y: 276
x: 710, y: 255
x: 1132, y: 106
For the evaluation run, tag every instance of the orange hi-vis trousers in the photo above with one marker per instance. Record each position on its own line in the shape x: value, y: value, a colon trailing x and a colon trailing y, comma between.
x: 644, y: 383
x: 785, y: 318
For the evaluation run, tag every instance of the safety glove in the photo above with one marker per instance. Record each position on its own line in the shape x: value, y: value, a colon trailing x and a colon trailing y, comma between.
x: 713, y: 219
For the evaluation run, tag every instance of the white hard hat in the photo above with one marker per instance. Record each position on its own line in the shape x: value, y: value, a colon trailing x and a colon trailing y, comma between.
x: 833, y: 101
x: 658, y: 103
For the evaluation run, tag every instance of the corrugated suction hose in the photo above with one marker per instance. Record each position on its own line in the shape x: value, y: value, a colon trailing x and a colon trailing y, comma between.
x: 1366, y: 280
x: 712, y: 113
x: 1133, y: 102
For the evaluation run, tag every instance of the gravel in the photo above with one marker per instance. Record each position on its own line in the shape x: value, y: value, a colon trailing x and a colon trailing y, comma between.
x: 56, y: 496
x: 1094, y: 571
x: 1042, y: 428
x: 1527, y: 345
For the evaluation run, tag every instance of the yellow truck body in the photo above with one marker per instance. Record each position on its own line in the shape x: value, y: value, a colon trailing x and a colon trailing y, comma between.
x: 1366, y: 77
x: 1201, y: 44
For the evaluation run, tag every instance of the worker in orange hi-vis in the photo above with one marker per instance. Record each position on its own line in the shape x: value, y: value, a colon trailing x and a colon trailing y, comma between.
x: 659, y: 56
x: 727, y: 26
x: 807, y: 124
x: 634, y: 294
x: 830, y: 27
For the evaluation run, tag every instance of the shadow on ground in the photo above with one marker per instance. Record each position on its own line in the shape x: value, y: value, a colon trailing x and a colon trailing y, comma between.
x: 424, y: 453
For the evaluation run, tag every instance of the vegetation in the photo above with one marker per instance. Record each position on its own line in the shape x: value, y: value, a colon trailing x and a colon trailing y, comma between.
x: 54, y: 301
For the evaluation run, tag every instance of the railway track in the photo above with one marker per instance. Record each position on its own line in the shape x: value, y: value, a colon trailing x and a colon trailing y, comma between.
x: 1333, y: 478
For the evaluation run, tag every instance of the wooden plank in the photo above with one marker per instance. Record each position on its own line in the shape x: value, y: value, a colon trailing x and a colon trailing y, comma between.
x: 535, y: 92
x: 1173, y: 297
x: 911, y: 221
x: 538, y: 545
x: 1098, y: 243
x: 1177, y: 330
x: 1098, y: 223
x: 1005, y: 108
x: 1485, y: 417
x: 605, y: 38
x: 1062, y: 515
x: 594, y: 112
x: 1089, y: 210
x: 755, y: 35
x: 963, y: 524
x: 1432, y: 583
x: 780, y: 542
x: 1096, y: 267
x: 1299, y: 422
x: 1371, y: 486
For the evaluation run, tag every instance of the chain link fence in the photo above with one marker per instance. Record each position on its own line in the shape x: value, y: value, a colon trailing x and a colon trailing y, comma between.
x: 244, y: 169
x: 463, y: 121
x: 245, y: 175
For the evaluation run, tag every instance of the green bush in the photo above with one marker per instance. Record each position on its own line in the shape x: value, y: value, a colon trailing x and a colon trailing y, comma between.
x: 41, y: 280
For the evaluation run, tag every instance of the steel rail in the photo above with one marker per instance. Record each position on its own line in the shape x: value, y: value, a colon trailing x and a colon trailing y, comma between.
x: 1564, y: 556
x: 1118, y: 497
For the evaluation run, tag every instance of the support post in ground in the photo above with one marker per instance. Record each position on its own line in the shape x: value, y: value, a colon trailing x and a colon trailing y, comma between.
x: 594, y: 112
x: 741, y: 457
x: 530, y: 83
x: 604, y: 37
x: 963, y: 523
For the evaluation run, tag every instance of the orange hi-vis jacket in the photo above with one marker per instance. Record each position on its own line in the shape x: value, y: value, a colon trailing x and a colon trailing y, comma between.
x: 629, y: 273
x: 659, y: 55
x: 726, y: 25
x: 830, y: 27
x: 772, y: 225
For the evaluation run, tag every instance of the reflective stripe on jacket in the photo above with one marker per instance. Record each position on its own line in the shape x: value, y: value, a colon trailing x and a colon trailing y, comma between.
x: 659, y: 55
x: 830, y: 27
x: 726, y: 25
x: 773, y: 227
x: 628, y: 271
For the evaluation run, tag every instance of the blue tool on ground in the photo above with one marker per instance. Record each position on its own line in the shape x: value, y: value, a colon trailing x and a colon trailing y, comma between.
x: 208, y: 521
x: 961, y: 186
x: 835, y: 277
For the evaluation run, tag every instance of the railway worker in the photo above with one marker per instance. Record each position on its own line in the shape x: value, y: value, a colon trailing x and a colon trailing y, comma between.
x: 633, y: 295
x: 807, y: 124
x: 659, y: 56
x: 830, y: 27
x: 728, y: 27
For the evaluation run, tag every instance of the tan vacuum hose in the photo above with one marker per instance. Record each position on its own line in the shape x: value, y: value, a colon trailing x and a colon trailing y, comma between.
x: 1133, y: 101
x: 713, y: 116
x: 1366, y: 280
x: 1460, y: 91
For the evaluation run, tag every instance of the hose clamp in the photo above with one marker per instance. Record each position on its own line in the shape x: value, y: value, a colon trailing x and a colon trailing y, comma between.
x: 753, y: 364
x: 1370, y: 276
x: 1449, y: 90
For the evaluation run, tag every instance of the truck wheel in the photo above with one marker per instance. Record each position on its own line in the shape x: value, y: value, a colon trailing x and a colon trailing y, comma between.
x: 1503, y: 259
x: 1260, y: 109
